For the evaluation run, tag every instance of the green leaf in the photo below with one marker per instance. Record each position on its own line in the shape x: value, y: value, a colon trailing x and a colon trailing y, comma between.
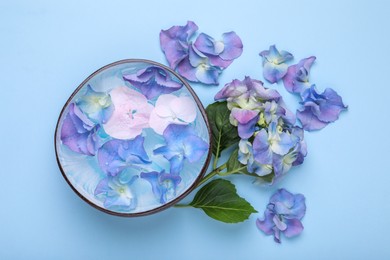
x: 234, y: 165
x: 223, y: 133
x: 220, y: 201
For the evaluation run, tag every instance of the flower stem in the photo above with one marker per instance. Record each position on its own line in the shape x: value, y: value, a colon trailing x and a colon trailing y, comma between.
x: 212, y: 174
x: 182, y: 206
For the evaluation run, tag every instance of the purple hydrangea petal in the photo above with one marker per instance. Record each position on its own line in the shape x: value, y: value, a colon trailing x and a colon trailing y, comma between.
x: 227, y: 49
x: 197, y: 68
x: 309, y: 121
x: 283, y: 214
x: 294, y: 227
x: 206, y: 44
x: 297, y: 77
x: 233, y: 46
x: 153, y: 81
x: 174, y: 42
x: 78, y: 133
x: 319, y: 109
x: 279, y: 224
x: 245, y: 131
x: 266, y: 224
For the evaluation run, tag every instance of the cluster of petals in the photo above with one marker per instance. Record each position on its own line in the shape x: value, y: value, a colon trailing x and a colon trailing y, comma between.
x: 283, y: 215
x: 202, y: 60
x: 270, y: 141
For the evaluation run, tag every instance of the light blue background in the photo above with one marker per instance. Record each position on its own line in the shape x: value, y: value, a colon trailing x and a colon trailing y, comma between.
x: 47, y: 48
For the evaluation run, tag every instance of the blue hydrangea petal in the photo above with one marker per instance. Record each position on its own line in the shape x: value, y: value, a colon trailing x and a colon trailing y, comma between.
x: 274, y: 72
x: 116, y: 155
x: 261, y: 149
x: 181, y: 144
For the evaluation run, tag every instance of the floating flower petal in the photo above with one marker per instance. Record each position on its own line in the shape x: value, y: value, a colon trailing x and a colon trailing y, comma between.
x: 274, y: 67
x: 96, y: 105
x: 174, y: 42
x: 319, y: 110
x: 117, y: 155
x: 170, y: 109
x: 182, y: 143
x: 115, y: 194
x: 163, y: 184
x: 131, y: 113
x: 79, y: 133
x: 153, y: 81
x: 297, y: 78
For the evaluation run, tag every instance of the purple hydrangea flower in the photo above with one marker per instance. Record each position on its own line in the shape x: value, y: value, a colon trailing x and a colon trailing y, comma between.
x: 153, y: 81
x: 297, y: 78
x: 96, y: 105
x: 117, y: 195
x: 319, y: 110
x: 175, y: 41
x: 283, y: 214
x: 221, y: 53
x: 79, y: 133
x: 196, y: 67
x: 182, y: 143
x: 274, y: 66
x: 163, y: 184
x: 117, y: 155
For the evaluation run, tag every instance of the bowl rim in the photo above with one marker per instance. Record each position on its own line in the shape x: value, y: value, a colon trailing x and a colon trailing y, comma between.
x: 178, y: 198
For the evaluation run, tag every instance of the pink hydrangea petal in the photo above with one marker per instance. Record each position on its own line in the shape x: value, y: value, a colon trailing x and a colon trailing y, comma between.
x: 131, y: 113
x: 162, y: 107
x: 157, y: 123
x: 184, y: 108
